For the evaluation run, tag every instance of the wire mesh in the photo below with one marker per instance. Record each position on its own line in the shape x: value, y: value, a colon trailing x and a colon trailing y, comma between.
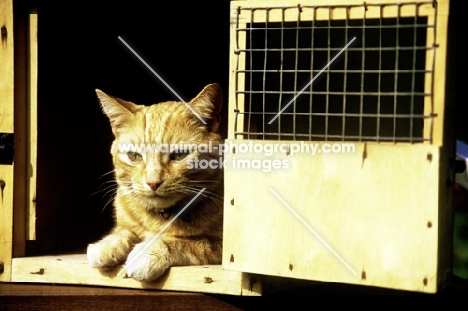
x: 375, y: 91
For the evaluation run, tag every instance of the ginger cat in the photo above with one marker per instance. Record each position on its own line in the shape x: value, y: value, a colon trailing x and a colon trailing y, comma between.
x: 153, y: 186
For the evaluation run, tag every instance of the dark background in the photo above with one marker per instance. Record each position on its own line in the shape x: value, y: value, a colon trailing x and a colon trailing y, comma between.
x: 185, y: 42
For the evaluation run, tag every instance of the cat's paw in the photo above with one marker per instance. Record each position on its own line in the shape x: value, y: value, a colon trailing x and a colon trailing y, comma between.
x: 104, y: 254
x: 147, y: 262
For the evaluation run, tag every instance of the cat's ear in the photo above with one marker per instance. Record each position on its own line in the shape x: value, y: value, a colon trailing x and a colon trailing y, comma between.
x: 208, y: 105
x: 117, y: 110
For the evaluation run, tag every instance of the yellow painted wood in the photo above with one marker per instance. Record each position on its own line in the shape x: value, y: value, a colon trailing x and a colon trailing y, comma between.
x: 6, y: 66
x: 32, y: 127
x: 74, y: 269
x: 6, y: 126
x: 6, y: 221
x: 377, y: 208
x: 428, y: 130
x: 440, y: 76
x: 236, y: 80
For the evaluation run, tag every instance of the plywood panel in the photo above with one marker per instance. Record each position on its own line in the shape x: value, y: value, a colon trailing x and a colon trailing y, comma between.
x: 373, y: 212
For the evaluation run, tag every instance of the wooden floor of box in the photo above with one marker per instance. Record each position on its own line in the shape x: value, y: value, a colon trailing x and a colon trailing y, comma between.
x: 74, y: 269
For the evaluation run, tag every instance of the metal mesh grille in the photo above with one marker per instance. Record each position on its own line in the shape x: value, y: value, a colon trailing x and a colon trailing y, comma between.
x: 376, y: 90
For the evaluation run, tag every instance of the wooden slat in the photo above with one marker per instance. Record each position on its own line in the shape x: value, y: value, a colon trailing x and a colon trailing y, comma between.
x: 428, y: 128
x: 6, y: 66
x: 236, y: 81
x: 440, y: 74
x: 6, y: 221
x: 323, y: 13
x: 74, y: 269
x: 6, y: 126
x: 32, y: 128
x: 59, y: 297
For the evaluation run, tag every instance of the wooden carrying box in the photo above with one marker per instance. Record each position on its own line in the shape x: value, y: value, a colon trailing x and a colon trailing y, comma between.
x: 378, y: 215
x: 351, y: 181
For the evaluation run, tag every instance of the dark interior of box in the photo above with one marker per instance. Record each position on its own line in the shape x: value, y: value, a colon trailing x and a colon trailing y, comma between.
x: 374, y: 90
x: 185, y: 42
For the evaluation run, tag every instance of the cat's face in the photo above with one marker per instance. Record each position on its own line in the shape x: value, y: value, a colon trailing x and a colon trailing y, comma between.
x: 156, y: 147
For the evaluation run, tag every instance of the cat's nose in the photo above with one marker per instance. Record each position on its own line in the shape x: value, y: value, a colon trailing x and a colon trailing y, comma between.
x: 154, y: 185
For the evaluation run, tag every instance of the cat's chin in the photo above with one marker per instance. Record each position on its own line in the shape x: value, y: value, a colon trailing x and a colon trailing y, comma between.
x: 156, y: 202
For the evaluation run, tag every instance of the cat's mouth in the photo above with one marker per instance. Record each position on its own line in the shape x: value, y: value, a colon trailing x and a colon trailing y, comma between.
x: 160, y: 198
x: 153, y: 194
x: 162, y: 192
x: 156, y: 196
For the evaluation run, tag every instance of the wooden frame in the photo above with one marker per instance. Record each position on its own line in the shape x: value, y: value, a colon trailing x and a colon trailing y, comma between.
x: 397, y: 234
x: 6, y: 126
x: 355, y: 11
x: 19, y: 117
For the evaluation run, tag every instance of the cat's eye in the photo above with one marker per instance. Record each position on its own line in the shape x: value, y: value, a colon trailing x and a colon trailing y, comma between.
x: 178, y: 155
x: 134, y: 156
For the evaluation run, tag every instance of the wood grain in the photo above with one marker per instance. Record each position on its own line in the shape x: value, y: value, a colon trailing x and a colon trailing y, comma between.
x: 74, y: 269
x: 61, y: 297
x: 6, y: 126
x: 377, y: 208
x: 32, y: 127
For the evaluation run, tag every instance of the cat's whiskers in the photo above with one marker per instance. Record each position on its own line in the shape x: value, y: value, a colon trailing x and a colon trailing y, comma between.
x: 207, y: 194
x: 126, y: 191
x: 110, y: 193
x: 105, y: 174
x: 108, y: 202
x: 108, y: 190
x: 101, y: 189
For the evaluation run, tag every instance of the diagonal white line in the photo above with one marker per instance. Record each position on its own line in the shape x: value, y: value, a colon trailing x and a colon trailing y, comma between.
x: 161, y: 231
x: 308, y: 84
x: 161, y: 79
x: 313, y: 232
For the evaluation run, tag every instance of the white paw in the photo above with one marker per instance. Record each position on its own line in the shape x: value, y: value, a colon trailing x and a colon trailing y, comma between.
x: 103, y: 255
x: 144, y: 264
x: 93, y: 253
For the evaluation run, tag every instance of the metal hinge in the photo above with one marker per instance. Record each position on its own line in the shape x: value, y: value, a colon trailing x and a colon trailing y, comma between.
x: 6, y: 148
